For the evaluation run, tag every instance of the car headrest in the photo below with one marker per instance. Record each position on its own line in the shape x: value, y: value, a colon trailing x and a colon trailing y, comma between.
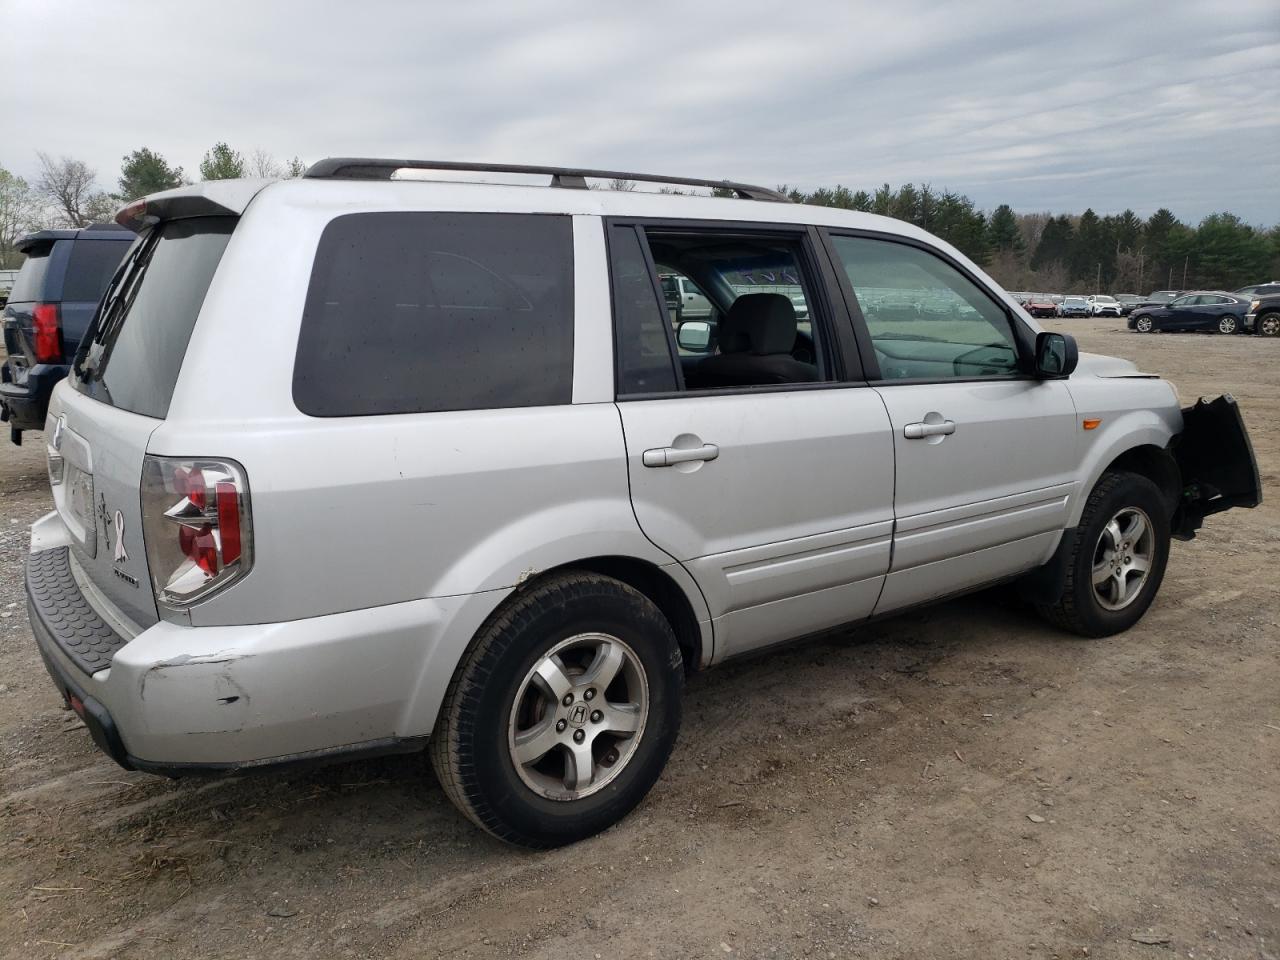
x: 759, y: 323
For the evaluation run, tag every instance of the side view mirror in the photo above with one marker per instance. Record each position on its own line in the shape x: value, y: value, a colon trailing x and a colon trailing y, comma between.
x: 694, y: 335
x: 1056, y: 355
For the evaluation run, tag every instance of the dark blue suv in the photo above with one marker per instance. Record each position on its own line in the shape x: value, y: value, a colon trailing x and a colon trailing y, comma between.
x: 52, y: 301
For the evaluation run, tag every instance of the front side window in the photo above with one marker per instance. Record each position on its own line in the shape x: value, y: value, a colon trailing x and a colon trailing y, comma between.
x: 417, y: 312
x: 927, y: 320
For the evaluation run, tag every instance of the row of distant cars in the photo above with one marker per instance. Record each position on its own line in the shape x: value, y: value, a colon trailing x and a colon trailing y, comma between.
x: 1251, y: 309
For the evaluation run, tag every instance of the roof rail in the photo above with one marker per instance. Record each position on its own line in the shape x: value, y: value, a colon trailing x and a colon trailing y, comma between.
x: 358, y: 168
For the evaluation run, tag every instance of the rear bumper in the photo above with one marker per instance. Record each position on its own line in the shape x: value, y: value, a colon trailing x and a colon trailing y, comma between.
x: 25, y: 394
x: 188, y: 700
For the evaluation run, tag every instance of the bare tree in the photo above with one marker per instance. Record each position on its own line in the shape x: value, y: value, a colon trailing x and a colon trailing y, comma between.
x: 19, y: 213
x: 622, y: 184
x: 263, y: 164
x: 70, y: 187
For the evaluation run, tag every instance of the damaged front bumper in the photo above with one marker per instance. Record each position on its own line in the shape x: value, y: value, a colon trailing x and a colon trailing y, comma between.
x: 1217, y: 464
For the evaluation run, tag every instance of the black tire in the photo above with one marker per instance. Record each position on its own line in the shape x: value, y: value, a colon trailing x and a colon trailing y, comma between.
x: 1227, y: 324
x: 1079, y: 610
x: 1138, y: 321
x: 469, y: 747
x: 1267, y: 324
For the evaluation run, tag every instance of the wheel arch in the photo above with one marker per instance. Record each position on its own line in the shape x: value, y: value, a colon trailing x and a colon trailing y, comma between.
x: 1157, y: 465
x: 671, y: 589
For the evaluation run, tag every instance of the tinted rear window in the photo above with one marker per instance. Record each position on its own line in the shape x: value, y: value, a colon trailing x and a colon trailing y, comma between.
x: 416, y: 312
x: 30, y: 282
x: 132, y: 353
x: 90, y: 268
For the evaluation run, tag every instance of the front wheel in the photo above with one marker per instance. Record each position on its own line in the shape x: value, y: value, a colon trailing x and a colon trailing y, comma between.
x: 562, y: 715
x: 1227, y: 324
x: 1118, y: 558
x: 1268, y: 325
x: 1143, y: 325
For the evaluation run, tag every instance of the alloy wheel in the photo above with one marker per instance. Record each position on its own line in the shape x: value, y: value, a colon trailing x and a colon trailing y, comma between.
x: 578, y: 716
x: 1227, y: 325
x: 1122, y: 558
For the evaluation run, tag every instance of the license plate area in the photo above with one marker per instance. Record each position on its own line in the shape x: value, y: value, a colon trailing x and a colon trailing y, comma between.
x: 77, y: 509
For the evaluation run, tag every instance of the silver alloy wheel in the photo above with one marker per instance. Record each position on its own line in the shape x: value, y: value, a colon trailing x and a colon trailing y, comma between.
x: 1227, y: 325
x: 578, y: 716
x: 1122, y: 558
x: 1143, y: 324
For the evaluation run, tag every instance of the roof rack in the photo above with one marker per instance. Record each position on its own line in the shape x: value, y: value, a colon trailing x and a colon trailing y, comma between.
x: 360, y: 168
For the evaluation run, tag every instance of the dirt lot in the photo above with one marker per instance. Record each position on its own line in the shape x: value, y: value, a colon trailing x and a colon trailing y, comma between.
x: 960, y: 782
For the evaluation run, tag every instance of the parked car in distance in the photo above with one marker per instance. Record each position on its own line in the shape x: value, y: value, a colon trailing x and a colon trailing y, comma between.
x: 7, y: 278
x: 1104, y: 306
x: 1263, y: 317
x: 685, y: 298
x: 1075, y: 307
x: 1159, y: 297
x: 1259, y: 289
x: 1212, y: 310
x: 52, y: 301
x: 438, y: 480
x: 1127, y: 302
x: 1039, y: 305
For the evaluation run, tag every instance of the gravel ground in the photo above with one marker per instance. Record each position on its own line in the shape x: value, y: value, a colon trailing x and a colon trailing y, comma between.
x: 958, y: 782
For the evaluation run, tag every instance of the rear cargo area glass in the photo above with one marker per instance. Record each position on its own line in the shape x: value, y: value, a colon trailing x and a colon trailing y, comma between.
x: 30, y: 283
x: 132, y: 354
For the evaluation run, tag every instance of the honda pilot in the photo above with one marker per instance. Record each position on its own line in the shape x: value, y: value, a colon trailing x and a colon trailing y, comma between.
x: 364, y: 463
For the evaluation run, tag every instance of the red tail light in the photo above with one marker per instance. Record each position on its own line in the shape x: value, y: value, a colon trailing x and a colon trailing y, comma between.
x: 196, y: 526
x: 48, y: 333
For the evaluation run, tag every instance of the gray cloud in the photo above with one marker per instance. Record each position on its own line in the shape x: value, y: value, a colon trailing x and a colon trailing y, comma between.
x: 1043, y: 106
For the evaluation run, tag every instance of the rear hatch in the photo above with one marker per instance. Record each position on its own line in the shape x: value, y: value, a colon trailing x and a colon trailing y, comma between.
x: 118, y: 392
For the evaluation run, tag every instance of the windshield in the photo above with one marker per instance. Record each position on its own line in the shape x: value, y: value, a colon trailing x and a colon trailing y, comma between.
x: 1074, y: 301
x: 133, y: 350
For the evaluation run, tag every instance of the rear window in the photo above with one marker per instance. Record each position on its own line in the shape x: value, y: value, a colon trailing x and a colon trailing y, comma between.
x: 30, y: 282
x: 417, y: 312
x: 90, y: 268
x: 132, y: 353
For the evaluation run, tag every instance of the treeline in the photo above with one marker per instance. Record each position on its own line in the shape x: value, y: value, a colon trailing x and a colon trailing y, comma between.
x: 66, y: 192
x: 1038, y: 252
x: 1084, y: 253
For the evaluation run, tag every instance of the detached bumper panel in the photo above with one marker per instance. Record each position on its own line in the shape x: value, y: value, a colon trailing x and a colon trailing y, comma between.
x: 1215, y: 456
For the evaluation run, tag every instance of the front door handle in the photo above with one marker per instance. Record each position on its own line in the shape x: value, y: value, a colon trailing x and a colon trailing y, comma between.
x: 670, y: 456
x: 919, y: 431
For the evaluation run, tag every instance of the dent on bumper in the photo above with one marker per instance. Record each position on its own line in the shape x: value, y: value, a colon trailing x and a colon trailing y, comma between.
x: 243, y: 695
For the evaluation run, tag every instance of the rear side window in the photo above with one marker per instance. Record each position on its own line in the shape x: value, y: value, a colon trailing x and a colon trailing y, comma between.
x: 30, y: 282
x: 132, y: 353
x: 90, y: 268
x: 418, y: 312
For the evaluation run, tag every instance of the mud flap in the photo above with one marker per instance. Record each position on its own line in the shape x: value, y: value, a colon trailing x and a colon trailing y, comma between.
x: 1215, y: 457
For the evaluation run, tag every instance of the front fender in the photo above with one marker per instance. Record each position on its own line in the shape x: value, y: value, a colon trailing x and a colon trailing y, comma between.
x: 1117, y: 435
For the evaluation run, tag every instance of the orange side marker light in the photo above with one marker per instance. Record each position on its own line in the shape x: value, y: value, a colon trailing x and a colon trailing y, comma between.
x: 1091, y: 424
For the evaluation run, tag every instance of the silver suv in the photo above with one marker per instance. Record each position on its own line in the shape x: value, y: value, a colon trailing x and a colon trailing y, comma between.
x: 358, y: 463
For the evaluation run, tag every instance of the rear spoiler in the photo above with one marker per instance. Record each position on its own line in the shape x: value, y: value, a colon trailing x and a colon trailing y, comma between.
x: 213, y: 198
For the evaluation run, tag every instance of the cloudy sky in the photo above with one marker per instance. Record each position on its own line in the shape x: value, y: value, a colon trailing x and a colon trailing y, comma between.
x: 1044, y: 105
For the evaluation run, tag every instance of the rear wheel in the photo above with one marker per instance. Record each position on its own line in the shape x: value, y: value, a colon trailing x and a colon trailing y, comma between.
x: 1118, y: 558
x: 562, y: 715
x: 1268, y: 325
x: 1227, y: 324
x: 1143, y: 324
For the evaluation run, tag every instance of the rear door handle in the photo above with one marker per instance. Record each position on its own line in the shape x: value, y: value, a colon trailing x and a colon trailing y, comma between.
x: 669, y: 456
x: 919, y: 431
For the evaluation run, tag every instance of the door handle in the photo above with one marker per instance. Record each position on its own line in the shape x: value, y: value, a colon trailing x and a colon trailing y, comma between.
x: 669, y: 456
x: 919, y: 431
